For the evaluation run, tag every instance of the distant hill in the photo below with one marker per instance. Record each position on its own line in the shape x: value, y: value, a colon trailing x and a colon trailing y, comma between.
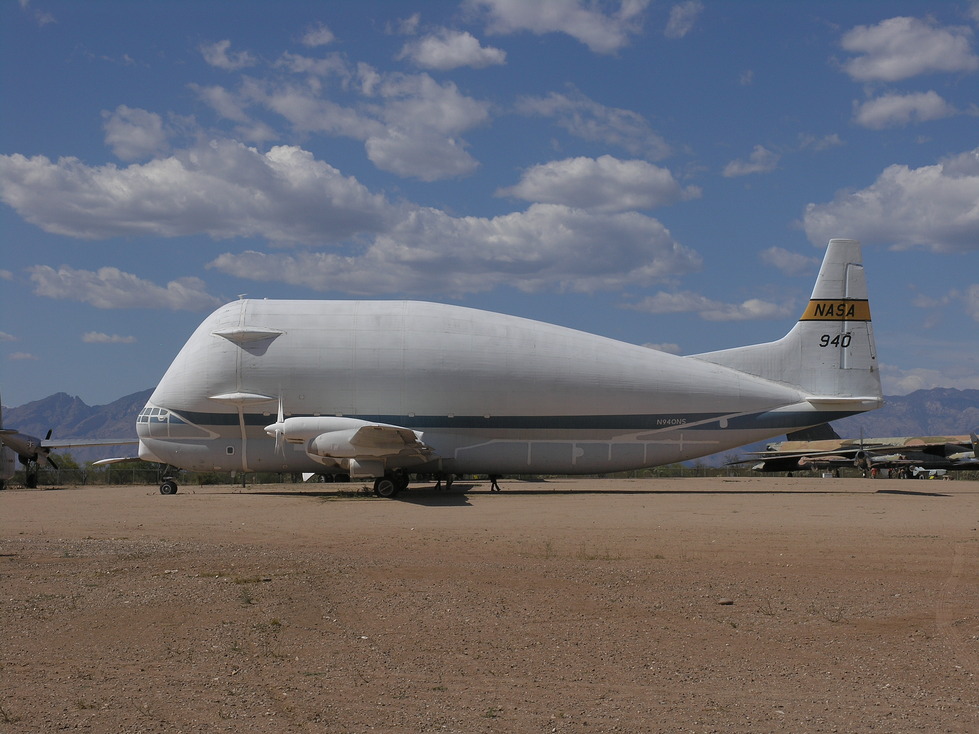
x: 934, y: 412
x: 69, y: 417
x: 923, y: 413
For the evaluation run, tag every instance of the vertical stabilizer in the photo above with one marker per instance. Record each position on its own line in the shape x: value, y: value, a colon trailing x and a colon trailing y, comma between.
x: 829, y: 355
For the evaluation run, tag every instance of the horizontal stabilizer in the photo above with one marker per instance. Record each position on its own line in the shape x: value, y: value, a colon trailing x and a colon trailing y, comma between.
x: 830, y: 402
x: 822, y: 432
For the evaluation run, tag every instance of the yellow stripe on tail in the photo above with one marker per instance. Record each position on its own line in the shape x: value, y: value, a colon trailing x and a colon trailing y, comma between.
x: 820, y: 309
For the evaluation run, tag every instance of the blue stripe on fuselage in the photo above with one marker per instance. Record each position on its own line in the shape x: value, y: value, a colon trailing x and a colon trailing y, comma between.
x: 643, y: 422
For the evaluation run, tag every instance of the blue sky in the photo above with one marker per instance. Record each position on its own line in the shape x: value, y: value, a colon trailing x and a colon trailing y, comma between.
x: 665, y: 173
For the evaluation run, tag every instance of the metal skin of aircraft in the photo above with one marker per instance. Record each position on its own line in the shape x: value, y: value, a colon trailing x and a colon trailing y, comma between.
x: 383, y: 389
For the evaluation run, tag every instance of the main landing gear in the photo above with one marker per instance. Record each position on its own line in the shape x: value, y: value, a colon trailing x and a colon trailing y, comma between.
x: 390, y: 484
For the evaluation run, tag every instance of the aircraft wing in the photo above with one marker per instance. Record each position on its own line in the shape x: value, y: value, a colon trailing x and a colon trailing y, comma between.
x: 840, y: 454
x: 75, y: 443
x: 379, y: 437
x: 115, y: 460
x: 349, y: 438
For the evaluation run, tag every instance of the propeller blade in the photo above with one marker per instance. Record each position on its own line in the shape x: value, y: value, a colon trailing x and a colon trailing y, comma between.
x: 280, y: 417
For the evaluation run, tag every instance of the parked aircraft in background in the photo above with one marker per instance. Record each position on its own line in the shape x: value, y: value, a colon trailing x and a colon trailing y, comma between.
x: 907, y: 455
x: 32, y: 452
x: 29, y: 450
x: 385, y: 389
x: 8, y: 465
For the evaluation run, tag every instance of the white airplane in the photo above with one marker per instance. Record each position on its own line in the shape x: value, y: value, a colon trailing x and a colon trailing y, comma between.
x: 383, y: 389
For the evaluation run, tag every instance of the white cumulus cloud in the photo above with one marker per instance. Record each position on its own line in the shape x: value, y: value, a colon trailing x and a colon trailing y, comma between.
x: 317, y: 35
x: 683, y: 17
x: 789, y: 263
x: 134, y: 133
x: 934, y: 206
x: 410, y: 124
x: 223, y: 189
x: 898, y: 381
x: 761, y: 160
x: 97, y: 337
x: 362, y: 242
x: 601, y: 184
x: 896, y: 110
x: 589, y: 120
x: 446, y: 49
x: 218, y: 54
x: 601, y: 32
x: 899, y: 48
x: 709, y: 309
x: 112, y: 288
x: 970, y: 300
x: 547, y: 247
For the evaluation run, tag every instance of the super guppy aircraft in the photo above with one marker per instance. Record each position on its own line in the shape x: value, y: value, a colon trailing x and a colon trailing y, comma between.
x: 385, y: 389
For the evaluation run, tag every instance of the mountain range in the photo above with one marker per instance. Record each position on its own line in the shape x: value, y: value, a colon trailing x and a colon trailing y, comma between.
x: 935, y: 412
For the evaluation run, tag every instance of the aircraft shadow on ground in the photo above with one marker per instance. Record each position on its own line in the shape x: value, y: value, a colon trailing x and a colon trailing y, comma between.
x: 457, y: 496
x: 911, y: 492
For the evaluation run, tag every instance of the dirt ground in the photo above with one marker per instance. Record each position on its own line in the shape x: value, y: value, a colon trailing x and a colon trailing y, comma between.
x: 687, y: 605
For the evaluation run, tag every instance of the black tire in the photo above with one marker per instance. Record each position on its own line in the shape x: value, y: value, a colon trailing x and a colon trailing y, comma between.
x: 168, y: 487
x: 401, y: 479
x: 385, y: 487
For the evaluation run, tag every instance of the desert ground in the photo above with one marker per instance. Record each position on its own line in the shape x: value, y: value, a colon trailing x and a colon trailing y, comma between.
x: 657, y: 605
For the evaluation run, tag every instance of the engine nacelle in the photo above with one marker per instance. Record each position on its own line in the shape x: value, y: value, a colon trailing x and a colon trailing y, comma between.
x: 339, y: 445
x: 302, y: 429
x: 337, y: 437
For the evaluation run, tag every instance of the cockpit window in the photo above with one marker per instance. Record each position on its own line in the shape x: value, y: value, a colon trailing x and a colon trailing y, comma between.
x: 153, y: 422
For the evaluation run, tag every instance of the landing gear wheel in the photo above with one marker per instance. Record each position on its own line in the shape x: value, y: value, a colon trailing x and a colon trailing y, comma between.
x: 385, y: 487
x: 401, y: 479
x: 168, y: 487
x: 31, y: 470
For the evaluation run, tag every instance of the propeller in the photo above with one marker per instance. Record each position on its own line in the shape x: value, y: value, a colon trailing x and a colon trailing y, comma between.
x: 47, y: 452
x: 278, y: 428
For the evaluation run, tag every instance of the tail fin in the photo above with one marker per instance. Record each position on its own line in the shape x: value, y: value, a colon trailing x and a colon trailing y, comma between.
x: 829, y: 355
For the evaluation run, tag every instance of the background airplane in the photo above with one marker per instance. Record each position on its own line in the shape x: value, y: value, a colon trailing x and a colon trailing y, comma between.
x: 905, y: 454
x: 29, y: 450
x: 32, y: 452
